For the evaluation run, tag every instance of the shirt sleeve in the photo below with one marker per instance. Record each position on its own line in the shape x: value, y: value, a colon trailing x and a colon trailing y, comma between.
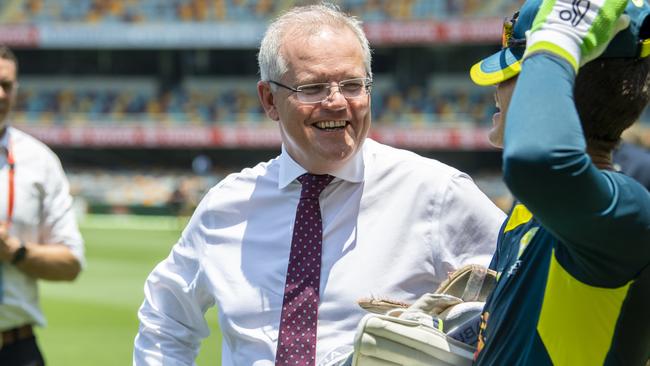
x: 172, y: 316
x: 59, y: 224
x: 547, y: 168
x: 469, y: 224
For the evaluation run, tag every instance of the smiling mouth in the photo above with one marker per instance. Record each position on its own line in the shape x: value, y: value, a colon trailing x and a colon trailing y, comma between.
x: 330, y: 125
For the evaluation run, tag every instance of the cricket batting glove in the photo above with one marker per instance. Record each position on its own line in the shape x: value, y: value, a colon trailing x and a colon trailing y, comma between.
x: 576, y: 30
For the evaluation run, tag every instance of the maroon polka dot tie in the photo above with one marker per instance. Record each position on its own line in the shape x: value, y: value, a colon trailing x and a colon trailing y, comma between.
x: 297, y: 337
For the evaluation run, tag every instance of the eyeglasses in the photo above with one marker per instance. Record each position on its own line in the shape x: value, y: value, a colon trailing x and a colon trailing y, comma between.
x: 319, y: 92
x: 507, y: 39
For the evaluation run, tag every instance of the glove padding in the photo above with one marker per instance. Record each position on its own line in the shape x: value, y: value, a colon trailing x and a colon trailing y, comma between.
x: 383, y: 340
x: 415, y: 334
x: 458, y: 298
x: 576, y: 30
x: 469, y: 283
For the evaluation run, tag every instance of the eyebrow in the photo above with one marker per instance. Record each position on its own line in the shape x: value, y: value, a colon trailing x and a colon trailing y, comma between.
x: 300, y: 83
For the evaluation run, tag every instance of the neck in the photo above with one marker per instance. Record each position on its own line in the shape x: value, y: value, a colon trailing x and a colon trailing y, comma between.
x: 601, y: 159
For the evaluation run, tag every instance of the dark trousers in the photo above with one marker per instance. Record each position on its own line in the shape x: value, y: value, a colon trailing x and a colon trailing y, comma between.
x: 24, y: 352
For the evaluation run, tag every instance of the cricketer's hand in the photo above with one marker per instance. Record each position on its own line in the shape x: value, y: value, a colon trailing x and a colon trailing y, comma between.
x: 576, y: 30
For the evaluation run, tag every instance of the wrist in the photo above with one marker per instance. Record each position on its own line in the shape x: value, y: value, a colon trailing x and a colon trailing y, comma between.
x: 556, y: 43
x: 19, y: 254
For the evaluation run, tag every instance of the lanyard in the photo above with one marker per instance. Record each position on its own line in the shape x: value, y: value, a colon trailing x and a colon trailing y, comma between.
x: 10, y: 202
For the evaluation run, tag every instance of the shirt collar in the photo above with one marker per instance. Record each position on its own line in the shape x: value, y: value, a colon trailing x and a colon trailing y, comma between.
x: 4, y: 140
x: 351, y: 171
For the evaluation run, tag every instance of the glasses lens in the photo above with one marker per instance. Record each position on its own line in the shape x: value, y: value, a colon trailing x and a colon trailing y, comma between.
x: 313, y: 93
x: 353, y: 88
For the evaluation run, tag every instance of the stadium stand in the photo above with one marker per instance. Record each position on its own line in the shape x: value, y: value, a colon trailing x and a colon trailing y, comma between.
x: 219, y: 100
x: 228, y: 101
x: 108, y: 191
x: 62, y: 11
x: 99, y: 100
x: 178, y: 66
x: 87, y: 100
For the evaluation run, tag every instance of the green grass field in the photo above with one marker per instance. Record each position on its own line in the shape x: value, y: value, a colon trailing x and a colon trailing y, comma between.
x: 93, y: 320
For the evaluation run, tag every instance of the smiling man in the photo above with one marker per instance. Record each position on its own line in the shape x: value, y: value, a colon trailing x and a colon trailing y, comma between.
x: 323, y: 123
x: 285, y: 249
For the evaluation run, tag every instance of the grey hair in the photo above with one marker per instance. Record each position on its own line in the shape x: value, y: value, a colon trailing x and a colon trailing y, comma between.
x: 305, y: 20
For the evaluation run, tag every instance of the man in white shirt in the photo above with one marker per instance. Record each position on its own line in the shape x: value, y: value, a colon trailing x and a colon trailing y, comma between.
x: 39, y: 238
x: 393, y: 223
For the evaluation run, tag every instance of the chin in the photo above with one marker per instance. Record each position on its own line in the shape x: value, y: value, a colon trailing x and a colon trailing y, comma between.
x: 498, y: 145
x: 340, y: 155
x: 334, y: 159
x: 495, y: 138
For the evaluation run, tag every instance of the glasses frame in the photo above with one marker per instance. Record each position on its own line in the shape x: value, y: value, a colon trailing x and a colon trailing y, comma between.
x: 367, y: 86
x: 507, y: 40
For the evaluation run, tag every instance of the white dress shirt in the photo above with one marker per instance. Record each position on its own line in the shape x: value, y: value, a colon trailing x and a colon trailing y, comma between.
x: 42, y: 214
x: 394, y: 225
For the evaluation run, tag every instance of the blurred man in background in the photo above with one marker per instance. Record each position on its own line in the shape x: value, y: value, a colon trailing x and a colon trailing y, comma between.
x: 573, y: 260
x: 39, y: 238
x: 371, y: 219
x: 632, y: 158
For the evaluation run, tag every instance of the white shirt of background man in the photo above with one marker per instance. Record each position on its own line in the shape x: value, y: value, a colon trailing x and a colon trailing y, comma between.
x: 43, y: 213
x: 394, y: 225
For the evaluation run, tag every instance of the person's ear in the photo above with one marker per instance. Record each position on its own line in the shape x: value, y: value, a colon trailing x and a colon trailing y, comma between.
x: 267, y: 100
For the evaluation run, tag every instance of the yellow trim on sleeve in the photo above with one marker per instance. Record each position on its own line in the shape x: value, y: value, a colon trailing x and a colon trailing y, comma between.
x: 545, y: 46
x: 519, y: 215
x: 491, y: 78
x: 577, y: 321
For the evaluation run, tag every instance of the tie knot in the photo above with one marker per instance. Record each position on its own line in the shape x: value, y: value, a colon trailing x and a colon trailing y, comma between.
x: 313, y: 184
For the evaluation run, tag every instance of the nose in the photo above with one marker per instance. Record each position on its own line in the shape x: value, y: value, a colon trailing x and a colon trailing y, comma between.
x: 335, y: 99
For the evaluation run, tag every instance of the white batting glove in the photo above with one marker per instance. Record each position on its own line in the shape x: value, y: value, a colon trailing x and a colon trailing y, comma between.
x: 576, y: 30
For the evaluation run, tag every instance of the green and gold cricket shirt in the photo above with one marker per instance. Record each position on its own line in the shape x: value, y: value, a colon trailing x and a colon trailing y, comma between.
x: 573, y: 257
